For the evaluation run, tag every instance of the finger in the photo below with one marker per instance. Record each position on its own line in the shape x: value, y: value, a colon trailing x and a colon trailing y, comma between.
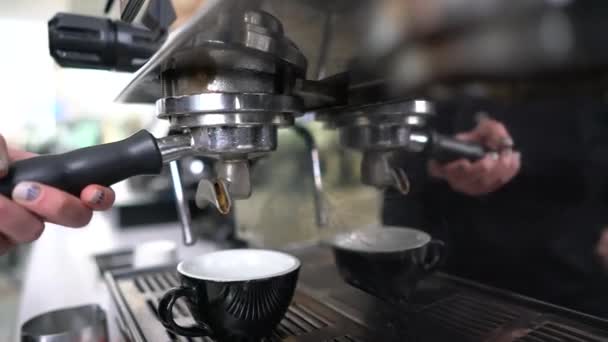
x: 17, y: 224
x: 470, y: 184
x: 474, y: 186
x: 458, y: 171
x: 505, y: 168
x: 472, y: 136
x: 494, y: 134
x: 480, y: 177
x: 478, y: 134
x: 467, y: 187
x: 4, y: 158
x: 602, y: 246
x: 97, y: 197
x: 16, y: 155
x: 475, y: 134
x: 602, y: 250
x: 52, y: 205
x: 499, y: 168
x: 514, y: 165
x: 435, y: 169
x: 604, y: 237
x: 484, y: 165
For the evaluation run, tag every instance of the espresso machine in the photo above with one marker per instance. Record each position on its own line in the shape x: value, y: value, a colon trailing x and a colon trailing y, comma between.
x: 238, y: 71
x: 226, y: 83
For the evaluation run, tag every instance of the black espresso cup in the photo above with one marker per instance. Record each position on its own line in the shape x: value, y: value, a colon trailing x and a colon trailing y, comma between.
x: 233, y: 295
x: 387, y: 262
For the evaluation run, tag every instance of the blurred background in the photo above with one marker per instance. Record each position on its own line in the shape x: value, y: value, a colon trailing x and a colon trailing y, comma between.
x: 57, y: 109
x: 51, y: 109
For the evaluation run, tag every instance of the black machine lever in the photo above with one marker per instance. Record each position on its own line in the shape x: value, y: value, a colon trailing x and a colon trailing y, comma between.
x: 141, y: 154
x: 86, y: 42
x: 102, y: 164
x: 445, y: 149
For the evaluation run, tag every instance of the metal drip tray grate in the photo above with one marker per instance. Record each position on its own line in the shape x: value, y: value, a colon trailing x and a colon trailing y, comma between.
x: 325, y: 309
x: 136, y: 294
x: 552, y: 331
x: 470, y: 316
x: 345, y: 338
x: 465, y: 316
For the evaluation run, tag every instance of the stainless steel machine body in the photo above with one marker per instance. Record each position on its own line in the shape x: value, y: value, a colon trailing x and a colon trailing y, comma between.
x: 239, y: 69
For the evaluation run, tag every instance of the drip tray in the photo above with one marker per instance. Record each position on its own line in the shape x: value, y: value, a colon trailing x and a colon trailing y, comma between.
x: 136, y: 295
x: 447, y: 308
x: 325, y: 309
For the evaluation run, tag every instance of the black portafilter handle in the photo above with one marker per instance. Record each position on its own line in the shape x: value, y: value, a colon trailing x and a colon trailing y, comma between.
x: 445, y: 149
x: 104, y: 164
x: 85, y: 42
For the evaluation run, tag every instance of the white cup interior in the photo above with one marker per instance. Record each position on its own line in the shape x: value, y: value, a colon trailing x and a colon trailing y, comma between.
x: 238, y: 265
x: 385, y: 239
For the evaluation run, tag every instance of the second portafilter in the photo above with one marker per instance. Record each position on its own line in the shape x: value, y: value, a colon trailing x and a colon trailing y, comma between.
x: 380, y: 130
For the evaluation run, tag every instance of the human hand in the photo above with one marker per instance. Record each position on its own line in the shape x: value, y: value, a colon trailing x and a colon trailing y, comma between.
x: 602, y: 248
x: 487, y: 174
x: 22, y: 218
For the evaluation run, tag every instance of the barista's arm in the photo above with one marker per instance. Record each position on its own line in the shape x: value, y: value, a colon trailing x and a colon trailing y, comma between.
x: 22, y: 218
x: 488, y: 174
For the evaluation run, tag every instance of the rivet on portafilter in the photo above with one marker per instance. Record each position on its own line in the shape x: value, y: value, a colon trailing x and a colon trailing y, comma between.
x: 230, y: 94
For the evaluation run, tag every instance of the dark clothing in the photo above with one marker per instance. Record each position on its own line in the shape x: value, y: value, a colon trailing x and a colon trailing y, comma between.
x: 537, y: 235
